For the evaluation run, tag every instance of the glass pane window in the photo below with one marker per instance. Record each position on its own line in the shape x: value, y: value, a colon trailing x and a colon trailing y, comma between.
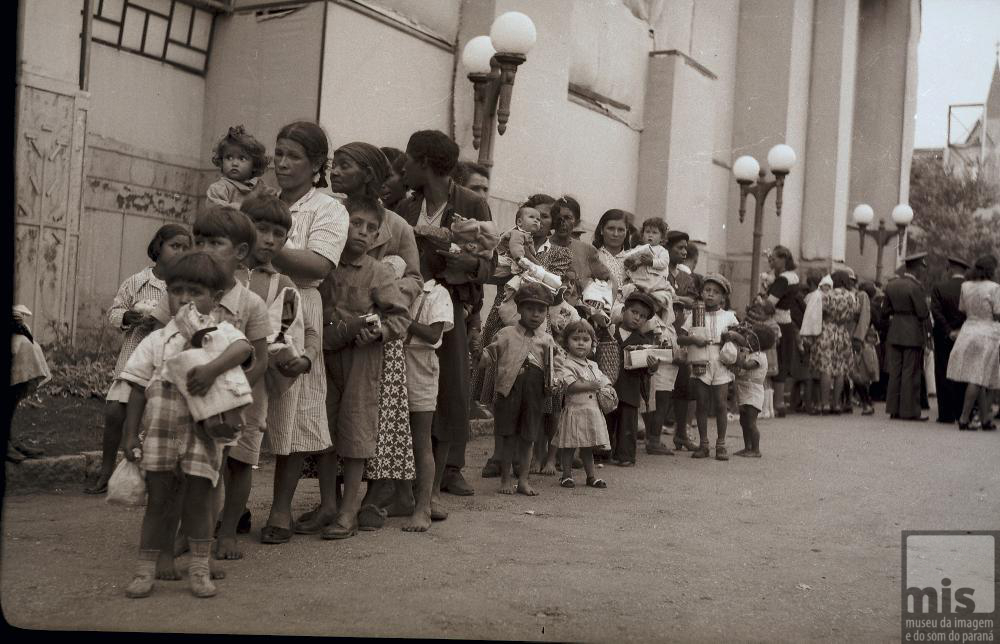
x: 172, y: 31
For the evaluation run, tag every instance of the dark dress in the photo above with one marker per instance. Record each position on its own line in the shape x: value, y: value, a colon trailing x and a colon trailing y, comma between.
x: 945, y: 297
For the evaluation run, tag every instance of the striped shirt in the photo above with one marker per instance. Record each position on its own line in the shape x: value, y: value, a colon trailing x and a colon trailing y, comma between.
x: 142, y: 287
x: 319, y: 224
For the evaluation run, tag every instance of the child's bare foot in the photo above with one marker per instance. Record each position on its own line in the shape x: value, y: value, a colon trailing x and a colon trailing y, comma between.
x: 165, y: 568
x: 525, y: 489
x: 141, y: 586
x: 549, y: 469
x: 214, y: 572
x: 419, y: 522
x: 754, y: 454
x: 226, y: 548
x: 506, y: 487
x: 534, y: 469
x: 438, y: 513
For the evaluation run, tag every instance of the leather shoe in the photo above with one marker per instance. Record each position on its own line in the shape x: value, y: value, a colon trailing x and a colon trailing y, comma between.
x: 455, y: 484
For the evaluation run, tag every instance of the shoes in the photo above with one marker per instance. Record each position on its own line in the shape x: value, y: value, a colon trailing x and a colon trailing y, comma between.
x: 14, y: 456
x: 779, y: 413
x: 988, y: 426
x: 371, y: 517
x: 454, y: 483
x: 335, y: 531
x: 721, y: 454
x: 657, y: 449
x: 701, y: 452
x: 273, y: 534
x: 30, y: 452
x: 964, y: 427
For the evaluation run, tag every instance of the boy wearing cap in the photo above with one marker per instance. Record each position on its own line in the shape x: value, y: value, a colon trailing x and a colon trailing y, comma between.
x: 713, y: 385
x: 632, y: 385
x: 519, y: 352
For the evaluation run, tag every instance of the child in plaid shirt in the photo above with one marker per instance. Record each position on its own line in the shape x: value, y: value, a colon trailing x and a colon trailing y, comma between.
x: 172, y: 445
x: 130, y: 312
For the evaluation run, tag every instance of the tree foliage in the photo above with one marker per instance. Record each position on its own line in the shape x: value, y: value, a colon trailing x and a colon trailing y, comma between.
x: 955, y: 213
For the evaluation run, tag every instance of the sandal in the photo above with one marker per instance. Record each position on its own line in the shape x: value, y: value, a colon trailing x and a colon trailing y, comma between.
x: 371, y: 517
x: 567, y: 482
x: 598, y: 483
x: 274, y: 534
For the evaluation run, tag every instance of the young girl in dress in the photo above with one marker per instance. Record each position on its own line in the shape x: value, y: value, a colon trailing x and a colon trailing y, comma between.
x: 581, y: 423
x: 752, y: 371
x: 136, y: 299
x: 242, y: 159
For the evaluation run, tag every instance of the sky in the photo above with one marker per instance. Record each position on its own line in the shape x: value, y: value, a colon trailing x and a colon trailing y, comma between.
x: 955, y: 62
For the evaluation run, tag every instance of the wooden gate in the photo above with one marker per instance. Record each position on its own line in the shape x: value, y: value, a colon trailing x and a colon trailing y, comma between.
x: 51, y: 132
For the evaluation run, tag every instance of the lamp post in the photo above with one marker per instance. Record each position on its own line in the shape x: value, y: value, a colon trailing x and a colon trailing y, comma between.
x: 863, y: 215
x: 780, y: 159
x: 492, y: 63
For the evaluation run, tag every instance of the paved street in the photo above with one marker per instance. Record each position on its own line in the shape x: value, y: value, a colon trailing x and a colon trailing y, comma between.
x: 801, y: 544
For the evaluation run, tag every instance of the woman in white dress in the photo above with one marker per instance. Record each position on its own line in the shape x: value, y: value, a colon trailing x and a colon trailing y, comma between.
x: 975, y: 359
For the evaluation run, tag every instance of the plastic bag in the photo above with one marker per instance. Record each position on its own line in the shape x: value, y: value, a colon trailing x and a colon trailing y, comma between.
x: 127, y: 485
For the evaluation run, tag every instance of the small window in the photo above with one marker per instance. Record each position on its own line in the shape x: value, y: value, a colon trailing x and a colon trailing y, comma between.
x: 172, y: 31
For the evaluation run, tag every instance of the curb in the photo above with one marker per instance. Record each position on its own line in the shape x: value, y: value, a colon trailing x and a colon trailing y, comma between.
x: 75, y: 470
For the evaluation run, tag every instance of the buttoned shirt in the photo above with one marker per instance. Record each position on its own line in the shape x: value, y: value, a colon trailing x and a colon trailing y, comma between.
x: 513, y: 346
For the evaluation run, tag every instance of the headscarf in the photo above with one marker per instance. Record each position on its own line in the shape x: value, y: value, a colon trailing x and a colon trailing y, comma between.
x: 370, y: 158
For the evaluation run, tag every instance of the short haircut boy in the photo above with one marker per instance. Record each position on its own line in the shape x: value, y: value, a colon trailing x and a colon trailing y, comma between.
x: 224, y: 221
x: 196, y: 267
x: 267, y: 209
x: 365, y: 204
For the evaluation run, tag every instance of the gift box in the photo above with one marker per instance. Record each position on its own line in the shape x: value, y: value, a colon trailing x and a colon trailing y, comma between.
x: 637, y: 358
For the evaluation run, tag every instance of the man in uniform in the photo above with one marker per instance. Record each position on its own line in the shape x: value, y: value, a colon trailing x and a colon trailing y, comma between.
x: 947, y: 320
x: 905, y: 304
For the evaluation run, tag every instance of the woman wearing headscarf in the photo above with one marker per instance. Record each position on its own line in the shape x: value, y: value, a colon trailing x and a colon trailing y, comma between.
x: 359, y: 170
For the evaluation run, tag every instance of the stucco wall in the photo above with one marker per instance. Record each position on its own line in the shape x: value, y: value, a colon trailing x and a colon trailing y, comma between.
x: 263, y: 74
x: 383, y: 93
x: 57, y: 54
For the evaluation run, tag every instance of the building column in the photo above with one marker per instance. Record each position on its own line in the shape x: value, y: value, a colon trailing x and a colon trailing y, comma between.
x: 828, y: 143
x: 771, y: 106
x: 884, y: 110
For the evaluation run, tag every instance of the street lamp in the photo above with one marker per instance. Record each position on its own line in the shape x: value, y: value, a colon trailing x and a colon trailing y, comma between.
x: 492, y: 62
x: 780, y: 159
x: 863, y: 215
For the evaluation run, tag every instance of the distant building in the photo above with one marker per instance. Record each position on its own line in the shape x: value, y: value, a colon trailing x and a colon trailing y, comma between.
x: 981, y: 148
x: 635, y: 104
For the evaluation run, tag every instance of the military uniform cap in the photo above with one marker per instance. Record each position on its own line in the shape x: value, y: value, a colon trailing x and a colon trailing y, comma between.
x: 958, y: 261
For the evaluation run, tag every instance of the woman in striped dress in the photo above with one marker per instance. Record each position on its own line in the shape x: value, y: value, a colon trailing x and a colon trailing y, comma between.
x: 317, y: 238
x: 136, y: 299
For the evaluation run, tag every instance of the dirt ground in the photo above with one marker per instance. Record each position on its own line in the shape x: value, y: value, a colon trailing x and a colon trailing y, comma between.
x: 803, y: 544
x: 60, y: 425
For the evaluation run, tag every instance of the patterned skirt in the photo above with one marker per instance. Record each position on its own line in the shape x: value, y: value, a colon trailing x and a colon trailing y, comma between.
x: 394, y: 444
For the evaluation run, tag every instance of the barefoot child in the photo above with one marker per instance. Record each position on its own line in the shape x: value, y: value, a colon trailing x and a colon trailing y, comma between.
x: 172, y: 445
x: 750, y: 387
x: 632, y: 385
x: 713, y: 384
x: 272, y: 221
x: 131, y: 312
x: 581, y: 423
x: 432, y: 316
x: 229, y: 237
x: 242, y: 159
x: 362, y: 308
x: 519, y: 352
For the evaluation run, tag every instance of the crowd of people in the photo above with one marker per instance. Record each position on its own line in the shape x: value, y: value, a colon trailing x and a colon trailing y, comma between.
x: 336, y: 323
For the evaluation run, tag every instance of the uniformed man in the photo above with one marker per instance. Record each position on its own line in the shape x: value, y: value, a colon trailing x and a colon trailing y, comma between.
x: 947, y: 320
x: 905, y: 304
